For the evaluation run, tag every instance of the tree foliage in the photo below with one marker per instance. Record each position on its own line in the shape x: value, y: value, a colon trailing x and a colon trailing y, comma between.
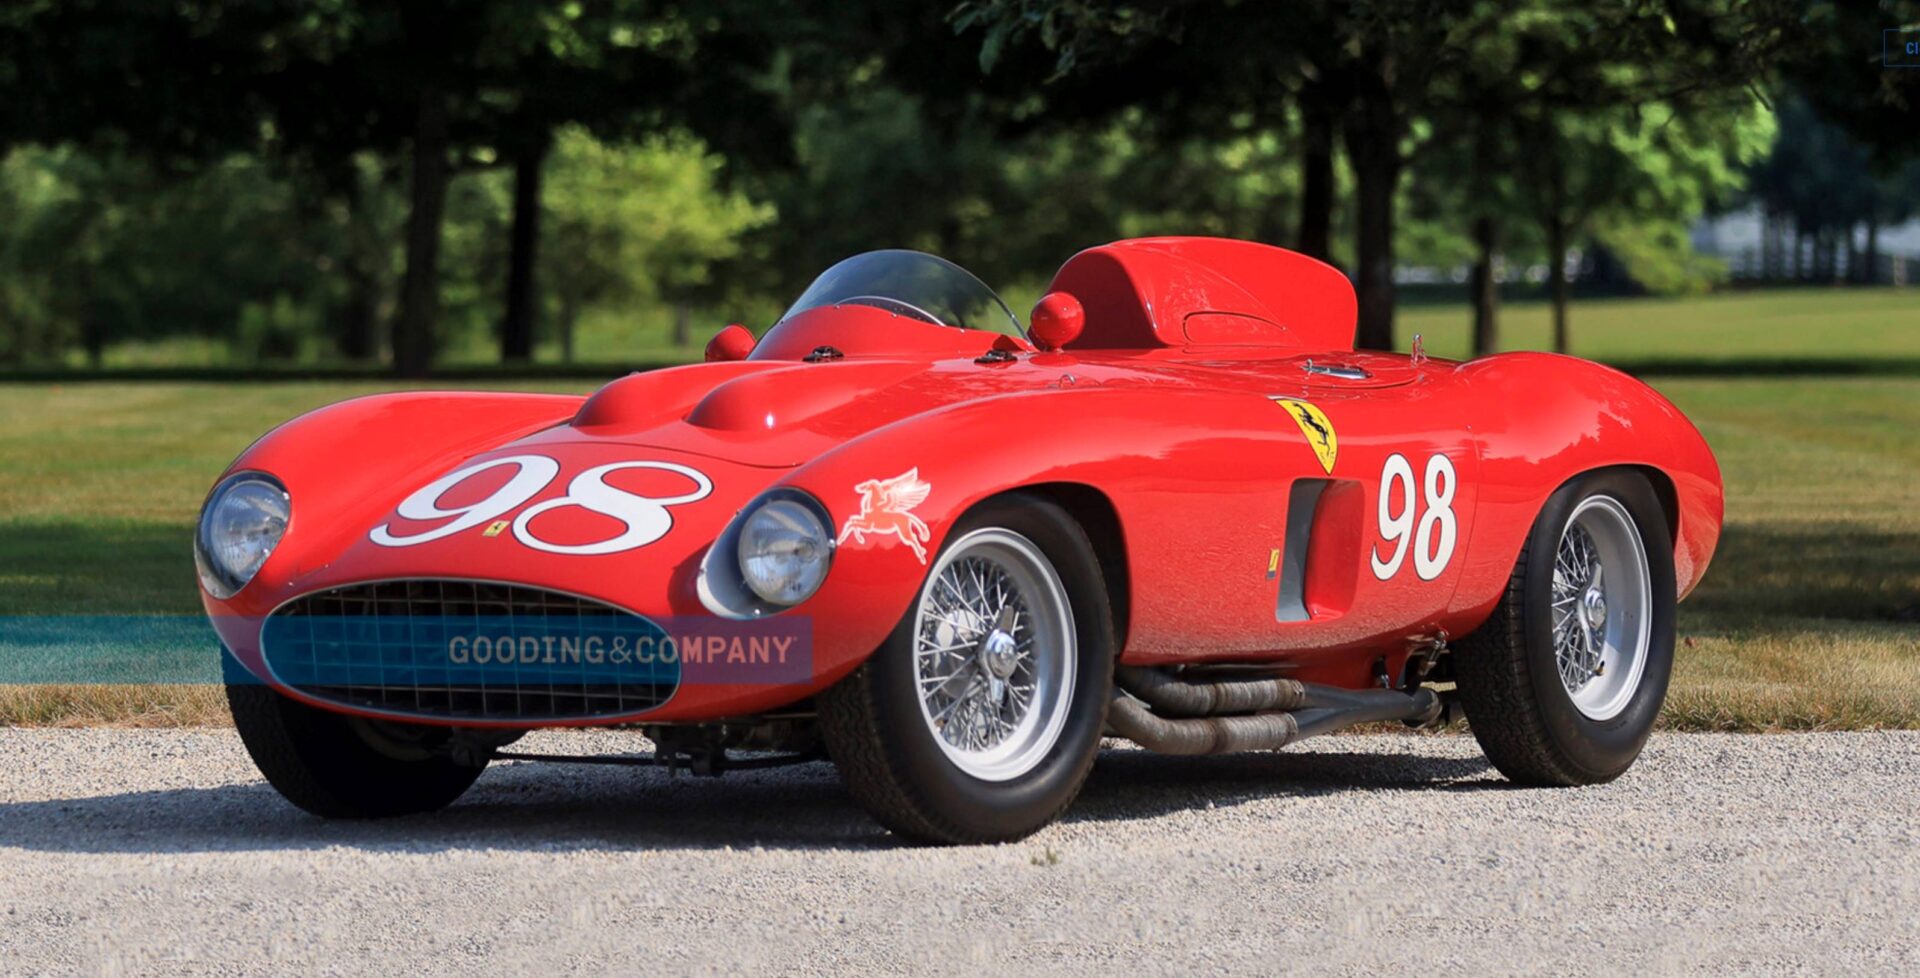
x: 339, y: 178
x: 637, y: 224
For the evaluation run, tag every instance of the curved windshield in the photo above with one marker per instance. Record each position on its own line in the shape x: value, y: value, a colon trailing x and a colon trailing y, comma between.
x: 910, y: 283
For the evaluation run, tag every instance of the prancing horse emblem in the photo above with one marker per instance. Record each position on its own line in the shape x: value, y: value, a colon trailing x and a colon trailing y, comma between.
x: 886, y: 508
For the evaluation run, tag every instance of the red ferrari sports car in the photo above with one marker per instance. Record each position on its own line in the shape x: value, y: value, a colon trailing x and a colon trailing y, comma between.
x: 952, y: 554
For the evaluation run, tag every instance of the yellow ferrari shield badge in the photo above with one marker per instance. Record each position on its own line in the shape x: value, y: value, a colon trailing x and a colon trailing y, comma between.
x: 1315, y: 426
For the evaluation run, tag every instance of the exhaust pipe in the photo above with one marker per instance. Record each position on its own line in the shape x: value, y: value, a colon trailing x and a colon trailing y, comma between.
x: 1273, y: 712
x: 1205, y: 735
x: 1174, y: 697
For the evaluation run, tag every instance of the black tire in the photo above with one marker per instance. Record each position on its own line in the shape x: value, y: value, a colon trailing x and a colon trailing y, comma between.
x: 329, y: 764
x: 1509, y: 683
x: 876, y: 734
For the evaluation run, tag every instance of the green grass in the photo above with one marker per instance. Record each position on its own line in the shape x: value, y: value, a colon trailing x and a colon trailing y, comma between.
x: 1807, y: 324
x: 1810, y: 614
x: 1808, y: 619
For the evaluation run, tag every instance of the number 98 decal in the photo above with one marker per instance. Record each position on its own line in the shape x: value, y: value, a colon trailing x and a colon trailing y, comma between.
x: 644, y: 518
x: 1431, y: 533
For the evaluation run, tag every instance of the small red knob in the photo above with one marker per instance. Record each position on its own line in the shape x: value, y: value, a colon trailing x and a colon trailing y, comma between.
x: 732, y: 343
x: 1056, y: 320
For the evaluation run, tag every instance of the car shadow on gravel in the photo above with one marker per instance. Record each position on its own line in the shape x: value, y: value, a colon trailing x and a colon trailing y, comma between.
x: 1129, y: 784
x: 568, y: 807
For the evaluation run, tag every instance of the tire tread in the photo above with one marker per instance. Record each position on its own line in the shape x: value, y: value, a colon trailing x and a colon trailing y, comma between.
x: 1495, y: 680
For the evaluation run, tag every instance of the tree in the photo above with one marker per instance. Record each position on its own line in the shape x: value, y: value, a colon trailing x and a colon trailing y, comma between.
x: 1826, y: 183
x: 643, y: 222
x: 1375, y: 66
x: 624, y: 72
x: 1245, y: 73
x: 1837, y: 65
x: 145, y: 85
x: 1629, y: 167
x: 100, y: 246
x: 1384, y: 65
x: 466, y: 84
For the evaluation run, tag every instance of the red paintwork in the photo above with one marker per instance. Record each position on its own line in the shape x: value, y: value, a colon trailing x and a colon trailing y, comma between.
x: 1161, y: 410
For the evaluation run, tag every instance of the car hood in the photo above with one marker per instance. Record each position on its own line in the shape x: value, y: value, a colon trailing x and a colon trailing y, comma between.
x: 782, y: 413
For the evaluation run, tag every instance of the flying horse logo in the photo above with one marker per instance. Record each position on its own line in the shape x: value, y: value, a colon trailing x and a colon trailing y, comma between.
x: 886, y: 509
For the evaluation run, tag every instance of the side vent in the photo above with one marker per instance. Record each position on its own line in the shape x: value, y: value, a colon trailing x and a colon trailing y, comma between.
x: 1302, y: 502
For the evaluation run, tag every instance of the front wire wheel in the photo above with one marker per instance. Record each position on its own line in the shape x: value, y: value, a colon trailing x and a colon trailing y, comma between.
x: 978, y: 719
x: 1564, y: 681
x: 994, y: 654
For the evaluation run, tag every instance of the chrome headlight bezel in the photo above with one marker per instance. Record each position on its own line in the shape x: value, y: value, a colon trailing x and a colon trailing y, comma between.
x: 724, y: 587
x: 221, y: 577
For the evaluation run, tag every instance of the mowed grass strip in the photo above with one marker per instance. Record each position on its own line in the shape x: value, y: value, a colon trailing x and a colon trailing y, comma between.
x: 1833, y: 326
x: 1808, y: 619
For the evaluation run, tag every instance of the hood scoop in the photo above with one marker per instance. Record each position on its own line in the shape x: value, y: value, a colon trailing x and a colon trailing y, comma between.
x: 791, y: 394
x: 644, y: 400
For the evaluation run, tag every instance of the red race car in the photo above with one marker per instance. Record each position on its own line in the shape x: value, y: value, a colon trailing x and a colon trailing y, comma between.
x: 952, y: 554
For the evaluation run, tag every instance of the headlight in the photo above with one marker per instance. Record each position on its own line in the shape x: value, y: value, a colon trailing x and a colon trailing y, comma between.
x: 784, y: 550
x: 773, y: 555
x: 239, y: 526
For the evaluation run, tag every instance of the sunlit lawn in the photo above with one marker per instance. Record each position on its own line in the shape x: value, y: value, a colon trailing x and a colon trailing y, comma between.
x: 1809, y: 618
x: 1811, y: 324
x: 1805, y: 324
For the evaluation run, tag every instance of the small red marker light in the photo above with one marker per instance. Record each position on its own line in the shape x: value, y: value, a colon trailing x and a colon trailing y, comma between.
x: 732, y: 343
x: 1056, y: 320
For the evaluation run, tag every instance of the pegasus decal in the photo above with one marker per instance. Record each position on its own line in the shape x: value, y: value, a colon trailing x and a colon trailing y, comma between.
x: 886, y: 509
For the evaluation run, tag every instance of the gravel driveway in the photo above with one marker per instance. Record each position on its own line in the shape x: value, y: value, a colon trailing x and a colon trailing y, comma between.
x: 145, y: 852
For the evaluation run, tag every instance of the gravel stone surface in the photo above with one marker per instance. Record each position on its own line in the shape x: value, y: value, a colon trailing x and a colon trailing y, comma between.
x: 140, y: 852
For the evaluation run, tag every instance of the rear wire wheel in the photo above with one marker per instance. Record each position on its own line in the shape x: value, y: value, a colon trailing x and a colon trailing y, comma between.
x: 1563, y: 683
x: 978, y: 719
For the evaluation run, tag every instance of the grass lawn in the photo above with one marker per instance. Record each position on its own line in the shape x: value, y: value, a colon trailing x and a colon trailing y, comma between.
x: 1809, y: 617
x: 1797, y: 324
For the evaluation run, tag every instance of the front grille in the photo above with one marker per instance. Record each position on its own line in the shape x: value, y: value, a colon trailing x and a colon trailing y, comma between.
x: 468, y: 650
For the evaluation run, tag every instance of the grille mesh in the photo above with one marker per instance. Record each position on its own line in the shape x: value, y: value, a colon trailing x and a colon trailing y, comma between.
x: 383, y: 646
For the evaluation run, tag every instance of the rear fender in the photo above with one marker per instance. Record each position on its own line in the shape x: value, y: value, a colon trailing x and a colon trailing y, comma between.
x: 1557, y: 417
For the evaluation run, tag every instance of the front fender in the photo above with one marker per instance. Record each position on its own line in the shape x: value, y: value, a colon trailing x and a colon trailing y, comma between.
x: 1139, y: 447
x: 349, y: 463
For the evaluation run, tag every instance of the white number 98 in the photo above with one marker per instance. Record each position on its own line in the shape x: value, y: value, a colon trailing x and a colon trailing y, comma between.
x: 1433, y: 535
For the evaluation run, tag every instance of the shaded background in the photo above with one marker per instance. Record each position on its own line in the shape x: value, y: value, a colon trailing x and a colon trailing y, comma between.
x: 464, y: 182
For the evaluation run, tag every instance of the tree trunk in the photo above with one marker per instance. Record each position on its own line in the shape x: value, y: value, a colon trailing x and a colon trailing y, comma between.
x: 1486, y: 291
x: 358, y: 316
x: 363, y: 255
x: 1872, y: 258
x: 1373, y: 148
x: 682, y: 324
x: 1853, y: 257
x: 569, y: 313
x: 1557, y: 277
x: 420, y: 291
x: 1315, y: 236
x: 516, y: 331
x: 1799, y: 249
x: 1777, y: 248
x: 93, y: 327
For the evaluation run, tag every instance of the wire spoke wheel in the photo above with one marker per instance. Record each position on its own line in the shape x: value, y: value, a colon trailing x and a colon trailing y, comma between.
x: 994, y: 654
x: 1601, y: 610
x: 1562, y: 684
x: 978, y: 718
